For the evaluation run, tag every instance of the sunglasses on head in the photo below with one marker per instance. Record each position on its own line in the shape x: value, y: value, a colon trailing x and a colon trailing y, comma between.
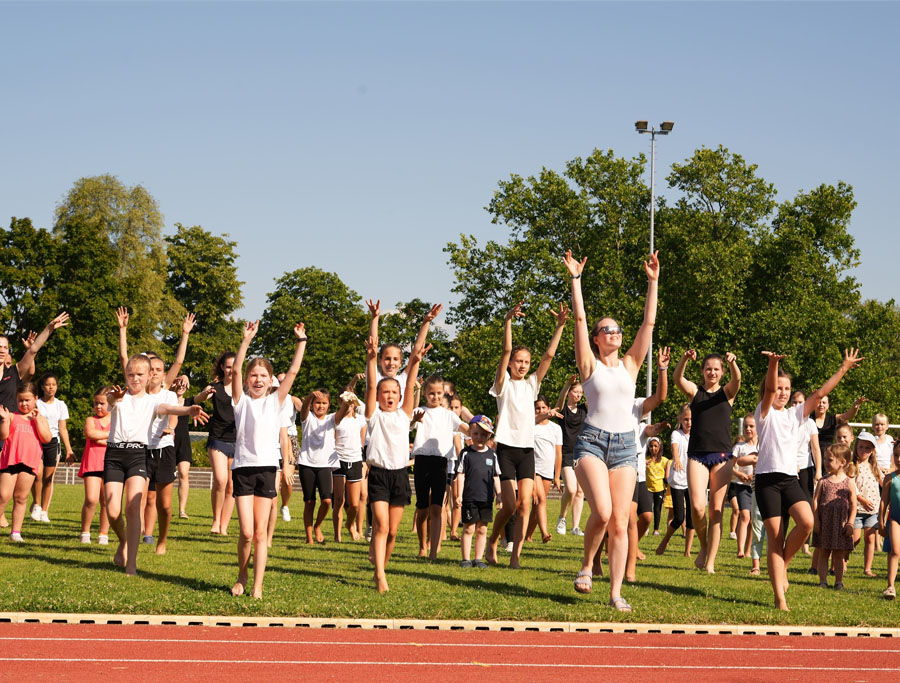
x: 610, y: 329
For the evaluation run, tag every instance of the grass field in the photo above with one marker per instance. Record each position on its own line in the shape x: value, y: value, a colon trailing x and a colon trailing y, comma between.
x: 53, y: 572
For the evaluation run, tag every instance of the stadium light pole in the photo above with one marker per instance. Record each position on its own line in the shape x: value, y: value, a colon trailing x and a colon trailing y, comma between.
x: 664, y: 129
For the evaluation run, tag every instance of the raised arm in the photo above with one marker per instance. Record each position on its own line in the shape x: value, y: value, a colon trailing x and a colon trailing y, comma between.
x: 122, y: 317
x: 412, y: 372
x: 186, y: 328
x: 27, y: 361
x: 500, y: 377
x: 851, y: 413
x: 375, y: 313
x: 422, y: 336
x: 371, y: 376
x: 662, y: 383
x: 344, y: 409
x: 851, y: 360
x: 303, y: 410
x: 638, y: 351
x: 237, y: 373
x: 771, y: 382
x: 734, y: 383
x: 685, y: 386
x: 284, y: 389
x: 561, y: 317
x: 564, y: 393
x: 584, y: 355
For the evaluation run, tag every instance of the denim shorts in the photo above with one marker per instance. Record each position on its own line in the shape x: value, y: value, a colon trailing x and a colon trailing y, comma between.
x: 222, y: 446
x: 865, y: 520
x: 614, y: 450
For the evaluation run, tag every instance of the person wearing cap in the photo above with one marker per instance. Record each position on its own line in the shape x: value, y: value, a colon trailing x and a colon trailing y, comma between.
x: 869, y: 480
x: 478, y: 477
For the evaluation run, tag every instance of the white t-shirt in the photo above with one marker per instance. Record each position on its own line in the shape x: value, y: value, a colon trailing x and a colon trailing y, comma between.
x: 318, y: 448
x: 347, y: 441
x: 400, y: 377
x: 804, y: 450
x: 434, y: 434
x: 288, y: 415
x: 883, y: 453
x: 640, y: 441
x: 388, y: 440
x: 779, y: 437
x: 454, y: 459
x: 741, y: 449
x: 257, y: 423
x: 547, y: 436
x: 515, y: 407
x: 161, y: 422
x: 292, y: 418
x: 678, y: 478
x: 131, y: 419
x: 53, y: 413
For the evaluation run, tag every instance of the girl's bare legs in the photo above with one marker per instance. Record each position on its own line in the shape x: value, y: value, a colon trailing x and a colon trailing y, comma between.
x: 507, y: 507
x: 455, y: 511
x: 324, y: 508
x: 593, y: 479
x: 539, y: 517
x: 743, y: 537
x: 184, y: 486
x: 570, y: 484
x: 112, y: 492
x: 893, y: 529
x: 245, y: 541
x: 480, y: 540
x: 148, y: 495
x: 385, y: 522
x: 47, y: 487
x: 780, y: 551
x: 273, y: 521
x: 338, y: 485
x: 17, y: 487
x: 871, y: 539
x: 524, y: 497
x: 577, y: 506
x: 698, y: 481
x: 92, y: 489
x: 840, y: 564
x: 164, y: 514
x: 221, y: 494
x: 465, y: 543
x: 719, y: 477
x: 127, y: 530
x: 352, y: 494
x: 664, y: 543
x: 823, y: 565
x: 633, y: 539
x: 363, y: 500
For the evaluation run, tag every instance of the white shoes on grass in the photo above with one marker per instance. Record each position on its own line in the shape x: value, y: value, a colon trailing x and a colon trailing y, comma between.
x: 285, y: 513
x: 561, y: 526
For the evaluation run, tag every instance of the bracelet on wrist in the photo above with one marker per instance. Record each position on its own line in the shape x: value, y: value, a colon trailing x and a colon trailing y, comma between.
x: 576, y: 277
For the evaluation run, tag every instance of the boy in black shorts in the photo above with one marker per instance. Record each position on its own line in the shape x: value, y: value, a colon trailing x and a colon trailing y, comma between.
x: 479, y: 480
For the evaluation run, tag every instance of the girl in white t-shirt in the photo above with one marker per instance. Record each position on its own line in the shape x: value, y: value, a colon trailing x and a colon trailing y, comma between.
x: 547, y: 465
x: 258, y: 417
x: 778, y: 489
x: 56, y: 413
x: 515, y: 396
x: 680, y: 512
x: 388, y: 420
x: 453, y: 506
x: 884, y: 444
x: 347, y: 478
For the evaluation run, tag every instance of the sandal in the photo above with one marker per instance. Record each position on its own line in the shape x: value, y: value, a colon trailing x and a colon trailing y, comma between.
x: 889, y: 593
x: 754, y: 571
x: 583, y: 581
x: 620, y: 604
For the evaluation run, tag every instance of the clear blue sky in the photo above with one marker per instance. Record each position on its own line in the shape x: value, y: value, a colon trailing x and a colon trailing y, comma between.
x: 361, y: 138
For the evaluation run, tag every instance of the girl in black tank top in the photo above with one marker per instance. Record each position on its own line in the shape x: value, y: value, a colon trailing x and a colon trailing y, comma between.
x: 709, y: 454
x: 220, y: 444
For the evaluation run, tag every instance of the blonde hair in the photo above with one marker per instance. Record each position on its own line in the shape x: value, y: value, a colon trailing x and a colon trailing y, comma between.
x: 841, y: 451
x: 137, y: 358
x: 873, y: 463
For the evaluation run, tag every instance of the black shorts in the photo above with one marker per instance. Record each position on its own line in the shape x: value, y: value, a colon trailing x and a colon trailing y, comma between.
x: 92, y: 474
x: 254, y: 481
x: 161, y: 465
x: 430, y: 476
x: 185, y: 454
x: 807, y: 478
x: 50, y: 452
x: 776, y: 493
x: 352, y: 471
x: 744, y: 495
x: 642, y: 497
x: 18, y: 468
x: 515, y: 463
x: 121, y: 464
x: 568, y: 459
x: 390, y: 486
x: 312, y: 478
x: 477, y: 512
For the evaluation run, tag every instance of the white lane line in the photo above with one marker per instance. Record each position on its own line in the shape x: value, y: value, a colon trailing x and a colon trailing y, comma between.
x: 308, y: 662
x: 674, y: 648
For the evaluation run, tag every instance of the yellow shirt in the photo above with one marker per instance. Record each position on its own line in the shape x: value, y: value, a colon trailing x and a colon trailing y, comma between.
x: 656, y: 472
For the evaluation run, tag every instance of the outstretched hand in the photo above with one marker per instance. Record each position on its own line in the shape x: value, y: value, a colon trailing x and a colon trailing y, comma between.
x: 852, y: 359
x: 663, y: 358
x: 188, y: 323
x: 651, y: 267
x: 562, y: 315
x: 690, y: 354
x: 730, y: 358
x: 419, y: 354
x: 515, y: 311
x: 116, y: 394
x: 29, y: 339
x: 250, y: 330
x: 59, y: 321
x: 4, y: 413
x: 574, y: 266
x: 199, y: 415
x: 374, y: 307
x: 771, y: 355
x: 122, y: 316
x: 300, y: 331
x: 433, y: 313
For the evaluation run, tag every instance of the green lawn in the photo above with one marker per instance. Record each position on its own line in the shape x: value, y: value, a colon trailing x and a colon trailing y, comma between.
x: 53, y: 572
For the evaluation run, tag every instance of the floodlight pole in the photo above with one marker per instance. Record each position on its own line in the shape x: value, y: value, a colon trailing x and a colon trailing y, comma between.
x: 665, y: 129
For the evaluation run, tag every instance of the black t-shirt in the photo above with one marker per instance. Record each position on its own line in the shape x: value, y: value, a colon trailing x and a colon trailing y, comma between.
x: 571, y: 426
x: 710, y: 422
x: 8, y: 386
x: 479, y: 468
x: 182, y: 432
x: 221, y: 423
x: 826, y: 431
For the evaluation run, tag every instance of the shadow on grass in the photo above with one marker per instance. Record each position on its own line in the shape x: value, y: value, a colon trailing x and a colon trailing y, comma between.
x: 500, y: 588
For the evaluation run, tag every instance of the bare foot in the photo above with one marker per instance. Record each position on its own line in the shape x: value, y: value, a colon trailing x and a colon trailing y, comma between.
x: 161, y: 548
x: 661, y: 548
x: 641, y: 557
x: 630, y: 579
x: 687, y: 554
x: 3, y: 523
x: 741, y: 556
x: 337, y: 538
x: 710, y: 570
x: 354, y: 534
x: 514, y: 563
x: 490, y: 553
x: 320, y: 537
x: 215, y: 530
x: 454, y: 537
x: 119, y: 557
x: 130, y: 571
x: 257, y: 593
x: 782, y: 605
x: 528, y: 539
x: 237, y: 589
x: 546, y: 539
x: 700, y: 562
x: 423, y: 552
x: 381, y: 584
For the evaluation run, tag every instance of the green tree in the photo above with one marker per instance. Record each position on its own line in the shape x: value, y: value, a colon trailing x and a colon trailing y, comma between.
x: 28, y: 274
x: 203, y: 278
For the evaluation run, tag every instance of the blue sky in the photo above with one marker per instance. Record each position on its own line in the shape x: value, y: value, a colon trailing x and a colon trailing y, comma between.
x: 361, y: 138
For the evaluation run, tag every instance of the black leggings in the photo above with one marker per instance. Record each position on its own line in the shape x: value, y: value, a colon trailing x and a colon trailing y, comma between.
x: 657, y: 507
x: 681, y: 509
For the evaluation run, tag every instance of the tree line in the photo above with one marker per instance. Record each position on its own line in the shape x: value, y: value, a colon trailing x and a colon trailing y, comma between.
x: 741, y: 272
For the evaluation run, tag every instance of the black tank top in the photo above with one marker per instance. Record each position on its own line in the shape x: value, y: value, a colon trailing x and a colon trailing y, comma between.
x: 710, y: 422
x: 571, y: 426
x: 221, y: 423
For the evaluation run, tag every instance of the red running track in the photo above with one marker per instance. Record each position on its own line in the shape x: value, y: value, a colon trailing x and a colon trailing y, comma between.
x: 75, y: 652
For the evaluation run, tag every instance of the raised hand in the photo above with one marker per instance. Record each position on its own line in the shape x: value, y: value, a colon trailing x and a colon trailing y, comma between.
x: 852, y: 359
x: 771, y: 355
x: 418, y: 416
x: 371, y: 349
x: 374, y: 307
x: 250, y: 330
x: 29, y: 339
x: 62, y: 320
x: 515, y: 311
x: 419, y: 354
x: 122, y: 316
x: 300, y: 332
x: 433, y: 313
x: 188, y: 323
x: 562, y: 315
x: 4, y: 413
x: 574, y: 265
x: 663, y: 358
x: 690, y: 354
x: 116, y: 394
x: 858, y: 402
x: 651, y: 267
x: 730, y: 358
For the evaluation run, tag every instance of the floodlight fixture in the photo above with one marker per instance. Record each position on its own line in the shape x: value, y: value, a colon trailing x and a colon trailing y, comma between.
x: 640, y: 126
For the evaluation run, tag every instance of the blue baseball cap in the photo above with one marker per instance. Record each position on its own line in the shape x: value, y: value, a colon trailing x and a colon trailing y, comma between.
x: 484, y: 422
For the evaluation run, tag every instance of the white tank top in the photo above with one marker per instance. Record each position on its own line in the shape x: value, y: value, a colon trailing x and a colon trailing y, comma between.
x: 609, y: 394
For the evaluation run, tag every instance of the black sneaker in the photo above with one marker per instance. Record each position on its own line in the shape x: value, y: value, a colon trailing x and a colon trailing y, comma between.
x: 466, y: 564
x: 481, y: 564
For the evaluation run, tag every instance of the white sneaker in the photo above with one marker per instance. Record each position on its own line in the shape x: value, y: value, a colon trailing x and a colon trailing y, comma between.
x: 102, y: 540
x: 86, y: 538
x: 16, y: 537
x: 561, y: 526
x: 44, y: 517
x: 732, y: 536
x: 577, y: 532
x: 36, y: 513
x: 285, y: 513
x: 509, y: 547
x: 368, y: 533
